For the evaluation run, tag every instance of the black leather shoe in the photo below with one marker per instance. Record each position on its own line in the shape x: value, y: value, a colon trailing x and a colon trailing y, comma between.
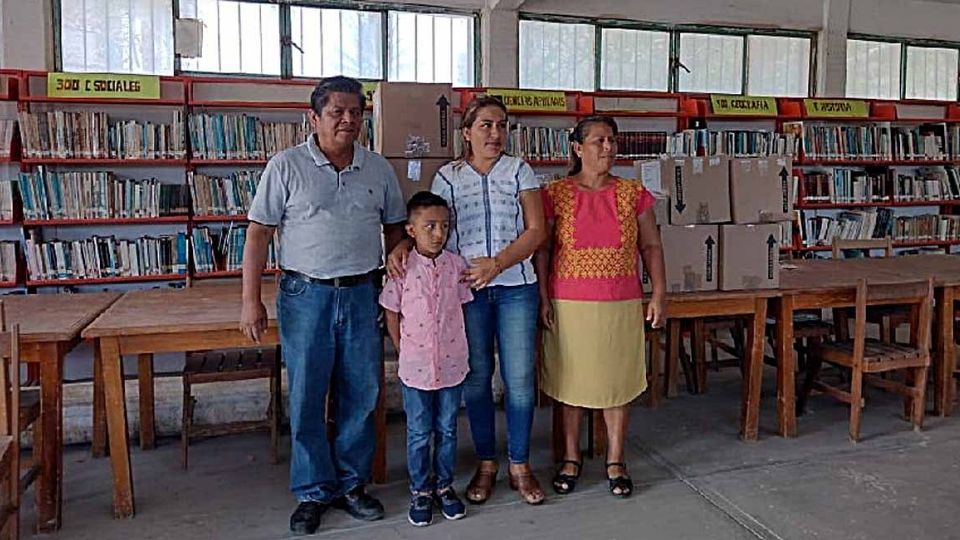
x: 306, y: 518
x: 359, y: 504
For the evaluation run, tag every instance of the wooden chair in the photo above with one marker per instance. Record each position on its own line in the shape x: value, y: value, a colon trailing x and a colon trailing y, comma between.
x: 10, y: 404
x: 888, y: 318
x: 867, y: 357
x: 220, y: 366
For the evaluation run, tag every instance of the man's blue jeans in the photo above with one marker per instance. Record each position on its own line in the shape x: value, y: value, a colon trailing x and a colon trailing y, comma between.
x: 509, y: 316
x: 431, y: 414
x: 329, y: 335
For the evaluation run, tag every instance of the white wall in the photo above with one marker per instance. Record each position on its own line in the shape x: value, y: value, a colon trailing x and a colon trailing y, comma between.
x: 927, y: 19
x: 26, y: 32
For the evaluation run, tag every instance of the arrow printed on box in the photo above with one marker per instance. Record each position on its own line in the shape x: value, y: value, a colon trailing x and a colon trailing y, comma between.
x: 771, y: 253
x: 443, y: 104
x: 785, y: 186
x: 709, y: 270
x: 678, y: 192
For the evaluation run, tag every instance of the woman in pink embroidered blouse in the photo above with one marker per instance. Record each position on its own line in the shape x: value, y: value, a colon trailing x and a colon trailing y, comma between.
x: 599, y: 226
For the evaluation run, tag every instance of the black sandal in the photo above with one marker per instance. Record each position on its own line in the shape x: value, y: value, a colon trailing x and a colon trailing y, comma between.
x: 622, y: 482
x: 565, y: 483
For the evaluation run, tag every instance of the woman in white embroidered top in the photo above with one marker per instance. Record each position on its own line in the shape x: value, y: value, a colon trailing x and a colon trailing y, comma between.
x: 497, y: 225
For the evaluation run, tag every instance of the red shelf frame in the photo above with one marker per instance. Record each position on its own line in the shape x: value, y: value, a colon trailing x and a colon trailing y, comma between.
x: 227, y: 162
x: 901, y: 244
x: 249, y: 104
x: 103, y: 161
x: 230, y: 273
x: 168, y: 102
x: 105, y: 281
x: 643, y: 114
x: 876, y: 162
x: 162, y: 220
x: 8, y: 284
x: 878, y: 204
x: 218, y: 218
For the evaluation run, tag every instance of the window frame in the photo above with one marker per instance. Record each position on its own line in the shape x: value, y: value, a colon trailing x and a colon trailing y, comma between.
x: 905, y: 43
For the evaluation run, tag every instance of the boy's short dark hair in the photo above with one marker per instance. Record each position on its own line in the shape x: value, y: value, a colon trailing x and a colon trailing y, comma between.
x: 425, y: 199
x: 326, y: 86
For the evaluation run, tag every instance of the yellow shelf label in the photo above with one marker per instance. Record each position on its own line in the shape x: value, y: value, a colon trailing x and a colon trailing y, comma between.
x: 103, y: 85
x: 743, y: 105
x: 827, y: 108
x: 530, y: 100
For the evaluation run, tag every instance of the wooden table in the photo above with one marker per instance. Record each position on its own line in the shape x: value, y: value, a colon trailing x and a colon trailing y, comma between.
x: 50, y: 326
x: 830, y: 283
x: 148, y: 322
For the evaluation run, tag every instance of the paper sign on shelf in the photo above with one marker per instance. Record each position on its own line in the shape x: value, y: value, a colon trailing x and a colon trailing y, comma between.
x: 827, y: 108
x: 743, y: 105
x: 103, y: 85
x: 530, y: 100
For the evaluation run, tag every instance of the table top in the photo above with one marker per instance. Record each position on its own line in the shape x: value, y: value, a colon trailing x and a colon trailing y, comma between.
x: 199, y: 309
x: 822, y: 274
x: 47, y: 318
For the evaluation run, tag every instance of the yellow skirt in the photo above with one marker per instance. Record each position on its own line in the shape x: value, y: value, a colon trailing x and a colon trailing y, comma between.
x: 595, y: 357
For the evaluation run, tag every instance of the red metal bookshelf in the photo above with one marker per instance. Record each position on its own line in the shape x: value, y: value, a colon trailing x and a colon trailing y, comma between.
x: 218, y: 219
x: 103, y: 161
x: 227, y: 162
x: 105, y: 221
x: 229, y: 273
x: 900, y: 244
x: 876, y: 162
x: 877, y: 204
x: 104, y: 281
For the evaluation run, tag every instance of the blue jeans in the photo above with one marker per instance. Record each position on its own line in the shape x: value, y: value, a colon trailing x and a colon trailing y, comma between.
x: 329, y: 336
x: 431, y: 412
x: 509, y: 316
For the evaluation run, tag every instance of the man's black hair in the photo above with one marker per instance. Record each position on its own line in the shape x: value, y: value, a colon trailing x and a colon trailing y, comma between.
x: 321, y: 93
x: 425, y: 199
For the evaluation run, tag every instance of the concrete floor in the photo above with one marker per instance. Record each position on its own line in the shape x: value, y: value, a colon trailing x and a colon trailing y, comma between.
x: 695, y: 480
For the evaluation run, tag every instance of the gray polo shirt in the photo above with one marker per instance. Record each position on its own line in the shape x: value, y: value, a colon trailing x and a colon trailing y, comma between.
x: 329, y: 223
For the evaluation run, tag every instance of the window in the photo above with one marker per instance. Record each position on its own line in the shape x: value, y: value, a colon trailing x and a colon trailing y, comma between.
x: 557, y: 55
x: 428, y: 47
x: 778, y: 66
x: 713, y: 62
x: 873, y: 69
x: 634, y: 59
x: 134, y: 36
x: 224, y: 23
x: 329, y: 42
x: 932, y: 73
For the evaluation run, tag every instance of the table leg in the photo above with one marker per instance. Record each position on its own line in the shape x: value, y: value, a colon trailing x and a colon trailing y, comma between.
x: 99, y: 408
x: 673, y: 356
x: 116, y: 406
x: 653, y: 385
x: 49, y: 481
x: 944, y: 387
x: 786, y: 369
x: 380, y: 444
x: 148, y: 430
x: 750, y: 408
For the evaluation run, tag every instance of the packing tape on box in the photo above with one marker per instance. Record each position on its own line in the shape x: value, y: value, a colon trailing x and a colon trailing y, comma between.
x: 414, y: 170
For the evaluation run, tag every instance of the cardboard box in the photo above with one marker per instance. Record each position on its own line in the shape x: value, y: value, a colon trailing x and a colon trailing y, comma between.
x: 661, y: 211
x: 650, y: 173
x: 691, y: 253
x: 761, y: 189
x: 699, y: 189
x: 416, y: 174
x: 413, y: 120
x: 749, y: 256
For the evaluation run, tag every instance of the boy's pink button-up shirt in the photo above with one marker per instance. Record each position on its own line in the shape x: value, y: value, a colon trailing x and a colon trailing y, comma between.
x: 433, y: 341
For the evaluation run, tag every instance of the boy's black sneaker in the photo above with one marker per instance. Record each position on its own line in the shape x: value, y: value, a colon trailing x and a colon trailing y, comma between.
x: 359, y: 504
x: 306, y: 518
x: 450, y: 505
x: 421, y: 511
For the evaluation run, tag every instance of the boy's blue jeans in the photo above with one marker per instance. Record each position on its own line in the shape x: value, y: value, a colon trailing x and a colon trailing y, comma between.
x: 509, y: 316
x: 431, y: 414
x: 329, y: 335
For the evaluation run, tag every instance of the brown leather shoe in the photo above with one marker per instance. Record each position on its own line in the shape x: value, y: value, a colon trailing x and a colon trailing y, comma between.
x: 526, y: 483
x: 481, y: 485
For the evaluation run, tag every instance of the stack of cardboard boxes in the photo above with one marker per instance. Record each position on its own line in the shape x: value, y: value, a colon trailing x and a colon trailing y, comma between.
x: 720, y: 220
x: 414, y: 131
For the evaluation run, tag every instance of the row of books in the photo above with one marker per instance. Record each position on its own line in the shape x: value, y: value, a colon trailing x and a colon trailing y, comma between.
x: 222, y: 249
x: 539, y: 143
x: 879, y: 141
x: 223, y: 195
x: 857, y: 186
x: 8, y: 261
x: 6, y: 201
x: 98, y: 195
x: 739, y: 143
x: 932, y: 227
x: 8, y: 129
x: 240, y: 136
x: 88, y: 134
x: 105, y: 257
x: 850, y: 225
x: 641, y: 144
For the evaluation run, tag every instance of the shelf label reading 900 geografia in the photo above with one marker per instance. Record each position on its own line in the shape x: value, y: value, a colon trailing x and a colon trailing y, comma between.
x: 103, y: 85
x: 828, y: 108
x: 530, y: 100
x: 743, y: 105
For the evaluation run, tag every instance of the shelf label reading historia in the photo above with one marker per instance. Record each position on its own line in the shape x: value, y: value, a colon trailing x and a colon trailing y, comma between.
x: 103, y: 85
x: 530, y: 100
x: 832, y: 108
x: 743, y: 105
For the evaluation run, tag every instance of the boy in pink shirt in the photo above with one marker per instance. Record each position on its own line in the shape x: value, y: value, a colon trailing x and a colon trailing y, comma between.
x: 425, y: 322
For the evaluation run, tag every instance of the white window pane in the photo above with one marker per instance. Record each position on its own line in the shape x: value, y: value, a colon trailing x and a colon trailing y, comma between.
x: 238, y: 37
x: 121, y: 36
x: 427, y: 47
x: 779, y: 66
x: 715, y: 63
x: 873, y: 69
x: 634, y: 59
x: 557, y: 55
x: 336, y: 42
x: 932, y: 73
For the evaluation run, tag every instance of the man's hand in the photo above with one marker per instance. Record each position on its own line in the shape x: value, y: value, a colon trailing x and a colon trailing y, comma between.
x: 253, y: 320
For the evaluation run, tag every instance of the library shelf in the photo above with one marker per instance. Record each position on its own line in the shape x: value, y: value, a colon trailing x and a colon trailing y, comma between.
x: 162, y: 220
x: 8, y: 284
x: 238, y: 104
x: 104, y: 281
x: 104, y: 161
x: 230, y: 273
x: 8, y: 159
x: 897, y: 244
x: 876, y: 162
x: 846, y: 119
x: 164, y: 102
x: 527, y: 112
x: 643, y: 114
x: 879, y: 204
x: 227, y: 162
x: 5, y: 222
x: 564, y: 163
x: 736, y: 117
x: 218, y: 219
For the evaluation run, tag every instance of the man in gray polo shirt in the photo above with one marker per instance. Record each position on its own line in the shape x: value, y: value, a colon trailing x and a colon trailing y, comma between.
x: 333, y: 204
